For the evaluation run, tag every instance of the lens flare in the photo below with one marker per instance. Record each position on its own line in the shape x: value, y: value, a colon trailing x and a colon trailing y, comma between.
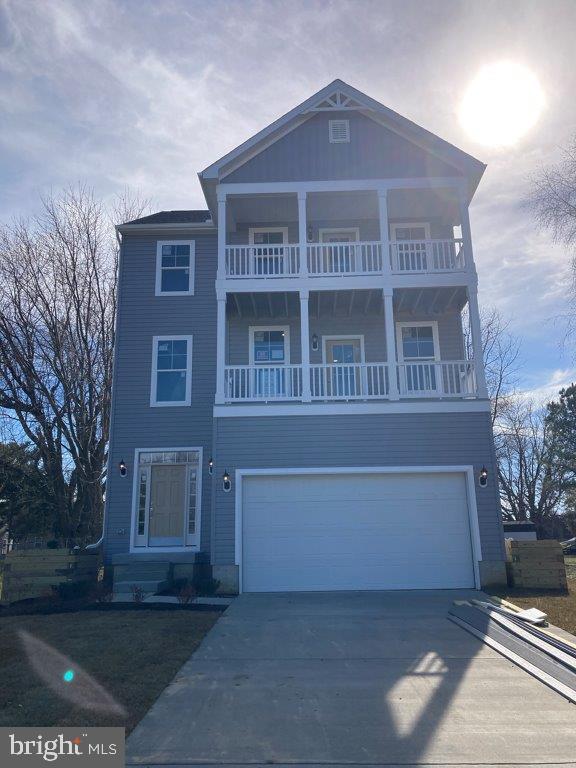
x: 68, y: 675
x: 501, y: 104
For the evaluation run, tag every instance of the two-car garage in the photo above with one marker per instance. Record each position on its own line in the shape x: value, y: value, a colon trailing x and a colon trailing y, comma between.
x: 356, y: 529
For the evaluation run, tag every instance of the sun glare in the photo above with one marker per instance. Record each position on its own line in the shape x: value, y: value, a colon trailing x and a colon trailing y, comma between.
x: 501, y: 104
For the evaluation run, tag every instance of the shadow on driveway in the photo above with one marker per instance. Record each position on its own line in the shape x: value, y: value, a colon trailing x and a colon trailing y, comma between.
x: 351, y: 678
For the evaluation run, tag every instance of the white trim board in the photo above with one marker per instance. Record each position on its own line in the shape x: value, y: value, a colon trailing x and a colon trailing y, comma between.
x: 134, y: 506
x: 351, y: 409
x: 465, y: 469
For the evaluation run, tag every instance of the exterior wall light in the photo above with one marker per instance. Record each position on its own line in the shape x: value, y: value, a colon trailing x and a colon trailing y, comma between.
x: 122, y: 468
x: 309, y: 233
x: 226, y: 482
x: 210, y: 465
x: 315, y: 343
x: 483, y: 478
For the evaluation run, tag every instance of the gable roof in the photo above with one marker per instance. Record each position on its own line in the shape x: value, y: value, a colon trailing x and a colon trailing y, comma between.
x: 339, y: 96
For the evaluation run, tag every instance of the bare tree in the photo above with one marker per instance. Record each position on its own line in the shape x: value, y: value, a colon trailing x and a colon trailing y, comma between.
x: 501, y: 353
x: 532, y: 483
x: 57, y: 309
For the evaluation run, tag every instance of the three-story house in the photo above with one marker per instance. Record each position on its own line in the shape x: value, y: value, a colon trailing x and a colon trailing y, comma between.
x: 299, y: 397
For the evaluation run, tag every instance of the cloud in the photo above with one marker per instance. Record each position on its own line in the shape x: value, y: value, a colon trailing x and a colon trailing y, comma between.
x: 554, y: 381
x: 144, y: 94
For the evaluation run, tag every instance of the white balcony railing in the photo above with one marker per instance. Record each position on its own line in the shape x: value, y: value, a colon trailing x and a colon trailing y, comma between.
x: 427, y: 256
x: 344, y: 258
x: 357, y: 258
x: 437, y: 379
x: 355, y: 381
x: 262, y: 383
x: 262, y: 260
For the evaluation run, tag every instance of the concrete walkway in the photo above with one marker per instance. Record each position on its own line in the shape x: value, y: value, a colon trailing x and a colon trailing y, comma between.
x: 352, y: 679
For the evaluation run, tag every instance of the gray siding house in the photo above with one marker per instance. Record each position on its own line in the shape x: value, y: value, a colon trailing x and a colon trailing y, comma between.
x: 299, y: 397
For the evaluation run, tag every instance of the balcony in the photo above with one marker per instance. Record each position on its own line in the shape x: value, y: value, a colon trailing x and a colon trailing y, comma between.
x: 350, y: 382
x: 345, y: 259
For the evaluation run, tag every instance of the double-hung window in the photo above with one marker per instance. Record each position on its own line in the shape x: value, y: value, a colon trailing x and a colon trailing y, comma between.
x: 171, y: 370
x: 175, y: 268
x: 419, y: 352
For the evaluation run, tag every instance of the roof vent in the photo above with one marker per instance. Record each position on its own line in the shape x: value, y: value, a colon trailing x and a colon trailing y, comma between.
x: 339, y: 131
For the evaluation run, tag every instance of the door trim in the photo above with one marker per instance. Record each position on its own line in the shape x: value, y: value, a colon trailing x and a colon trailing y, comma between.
x: 134, y: 506
x: 349, y: 336
x: 466, y: 470
x: 327, y: 230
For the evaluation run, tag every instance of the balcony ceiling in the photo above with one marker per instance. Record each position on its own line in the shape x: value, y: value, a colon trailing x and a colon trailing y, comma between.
x: 343, y: 206
x: 278, y: 305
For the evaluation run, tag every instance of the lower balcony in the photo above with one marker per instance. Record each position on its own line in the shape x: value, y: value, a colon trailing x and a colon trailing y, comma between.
x: 349, y: 382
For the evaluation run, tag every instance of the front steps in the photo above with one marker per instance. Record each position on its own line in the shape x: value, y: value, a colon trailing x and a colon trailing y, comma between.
x: 150, y: 577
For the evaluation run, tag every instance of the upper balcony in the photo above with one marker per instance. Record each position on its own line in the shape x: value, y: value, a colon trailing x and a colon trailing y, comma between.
x: 402, y: 235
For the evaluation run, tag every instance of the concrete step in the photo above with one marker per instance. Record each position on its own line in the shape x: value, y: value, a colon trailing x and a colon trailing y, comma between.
x: 149, y: 586
x: 141, y: 571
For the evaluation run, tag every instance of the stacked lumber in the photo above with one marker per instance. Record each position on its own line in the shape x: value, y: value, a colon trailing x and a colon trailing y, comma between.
x: 33, y: 573
x: 536, y: 564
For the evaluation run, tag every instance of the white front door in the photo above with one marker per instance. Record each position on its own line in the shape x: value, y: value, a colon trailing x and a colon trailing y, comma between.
x: 349, y: 531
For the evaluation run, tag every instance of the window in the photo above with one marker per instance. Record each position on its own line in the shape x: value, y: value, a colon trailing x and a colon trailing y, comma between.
x: 413, y: 232
x: 418, y: 351
x: 268, y: 347
x: 268, y: 253
x: 171, y: 370
x: 175, y: 268
x: 418, y: 341
x: 339, y: 131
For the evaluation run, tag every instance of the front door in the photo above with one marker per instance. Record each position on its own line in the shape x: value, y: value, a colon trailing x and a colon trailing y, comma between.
x: 339, y: 257
x: 167, y: 506
x: 268, y: 252
x: 344, y: 373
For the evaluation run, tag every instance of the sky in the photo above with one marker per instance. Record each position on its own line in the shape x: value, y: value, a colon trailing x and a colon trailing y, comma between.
x: 144, y: 94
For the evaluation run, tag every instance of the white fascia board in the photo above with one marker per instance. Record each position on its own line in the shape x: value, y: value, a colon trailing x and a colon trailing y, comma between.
x: 209, y: 226
x: 350, y: 409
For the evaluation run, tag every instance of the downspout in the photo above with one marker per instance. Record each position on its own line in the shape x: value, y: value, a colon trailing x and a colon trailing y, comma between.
x: 100, y: 541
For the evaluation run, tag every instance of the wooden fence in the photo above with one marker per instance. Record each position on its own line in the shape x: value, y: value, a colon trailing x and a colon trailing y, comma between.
x: 33, y: 573
x: 536, y: 564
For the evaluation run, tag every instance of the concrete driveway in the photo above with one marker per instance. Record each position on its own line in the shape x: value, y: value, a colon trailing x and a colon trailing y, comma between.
x: 371, y: 679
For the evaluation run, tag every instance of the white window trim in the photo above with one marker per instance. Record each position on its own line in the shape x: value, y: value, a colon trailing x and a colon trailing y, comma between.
x: 345, y: 337
x: 191, y: 268
x: 135, y: 490
x: 255, y: 230
x: 330, y: 230
x: 271, y: 364
x: 402, y: 225
x: 417, y: 324
x: 466, y: 470
x: 154, y: 403
x: 346, y: 139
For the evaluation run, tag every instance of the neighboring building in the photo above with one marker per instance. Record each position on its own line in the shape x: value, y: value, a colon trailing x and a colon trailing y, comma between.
x: 519, y: 531
x: 294, y: 399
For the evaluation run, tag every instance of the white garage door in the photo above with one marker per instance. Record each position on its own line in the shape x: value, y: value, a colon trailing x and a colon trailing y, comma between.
x: 355, y: 531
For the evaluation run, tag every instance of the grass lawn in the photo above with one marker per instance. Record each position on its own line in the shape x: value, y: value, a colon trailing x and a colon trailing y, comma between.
x: 132, y: 654
x: 561, y: 609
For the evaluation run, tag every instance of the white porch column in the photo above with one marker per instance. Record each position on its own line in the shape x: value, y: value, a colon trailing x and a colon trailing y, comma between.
x: 390, y: 343
x: 476, y: 333
x: 221, y: 235
x: 302, y: 236
x: 384, y: 238
x: 220, y: 346
x: 466, y: 232
x: 305, y: 345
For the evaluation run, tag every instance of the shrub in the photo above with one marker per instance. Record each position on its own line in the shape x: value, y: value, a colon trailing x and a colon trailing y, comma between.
x: 138, y: 593
x: 186, y: 593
